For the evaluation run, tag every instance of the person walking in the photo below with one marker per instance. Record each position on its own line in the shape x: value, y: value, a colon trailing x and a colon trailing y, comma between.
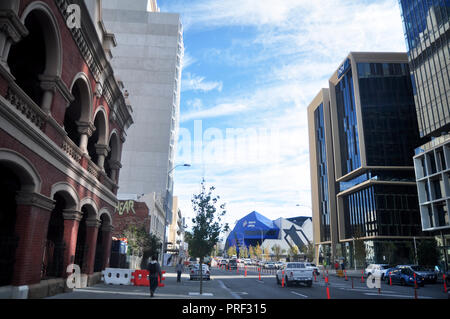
x: 179, y: 269
x: 154, y: 270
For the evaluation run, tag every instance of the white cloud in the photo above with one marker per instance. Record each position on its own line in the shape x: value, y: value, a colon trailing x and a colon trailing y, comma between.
x: 192, y: 82
x: 297, y: 45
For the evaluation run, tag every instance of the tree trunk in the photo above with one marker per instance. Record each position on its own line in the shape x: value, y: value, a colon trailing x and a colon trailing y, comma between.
x: 201, y: 276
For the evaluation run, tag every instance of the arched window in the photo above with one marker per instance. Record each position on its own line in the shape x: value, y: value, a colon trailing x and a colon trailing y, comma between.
x: 38, y: 55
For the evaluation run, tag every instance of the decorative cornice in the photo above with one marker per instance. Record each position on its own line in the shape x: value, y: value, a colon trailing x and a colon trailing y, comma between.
x: 69, y: 214
x: 93, y: 223
x: 35, y: 200
x: 102, y: 149
x: 85, y: 128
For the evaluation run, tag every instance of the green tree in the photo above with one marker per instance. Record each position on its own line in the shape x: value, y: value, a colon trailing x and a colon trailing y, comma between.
x: 258, y: 251
x: 360, y: 248
x: 243, y: 252
x: 308, y: 250
x: 251, y: 251
x: 207, y: 224
x: 277, y: 251
x: 231, y: 251
x: 141, y: 243
x: 293, y: 251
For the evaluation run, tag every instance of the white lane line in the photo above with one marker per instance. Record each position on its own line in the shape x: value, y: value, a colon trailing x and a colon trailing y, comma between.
x: 400, y: 296
x: 296, y: 293
x: 198, y: 294
x: 235, y: 296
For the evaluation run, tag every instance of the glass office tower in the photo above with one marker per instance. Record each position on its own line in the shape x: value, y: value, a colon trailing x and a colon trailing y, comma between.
x: 427, y: 32
x: 374, y: 136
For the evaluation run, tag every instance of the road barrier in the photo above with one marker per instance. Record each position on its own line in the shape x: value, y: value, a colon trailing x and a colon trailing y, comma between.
x: 160, y: 279
x: 140, y: 278
x: 117, y: 276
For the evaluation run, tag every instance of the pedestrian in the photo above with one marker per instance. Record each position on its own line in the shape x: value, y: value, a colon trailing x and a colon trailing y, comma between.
x: 154, y: 270
x: 343, y: 265
x: 336, y: 266
x: 179, y: 269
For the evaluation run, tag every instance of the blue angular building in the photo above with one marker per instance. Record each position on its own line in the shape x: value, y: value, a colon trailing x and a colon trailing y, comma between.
x: 254, y: 229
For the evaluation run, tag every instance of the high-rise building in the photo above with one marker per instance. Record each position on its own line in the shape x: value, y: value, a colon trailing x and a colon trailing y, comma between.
x: 148, y: 60
x: 365, y: 128
x: 427, y: 33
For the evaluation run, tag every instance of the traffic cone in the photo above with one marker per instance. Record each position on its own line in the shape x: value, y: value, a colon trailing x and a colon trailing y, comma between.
x: 245, y: 273
x: 328, y: 293
x: 345, y: 272
x: 390, y: 280
x: 282, y: 279
x: 362, y: 276
x: 445, y: 284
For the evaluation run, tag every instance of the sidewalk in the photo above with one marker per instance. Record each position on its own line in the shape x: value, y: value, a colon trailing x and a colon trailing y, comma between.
x: 186, y: 289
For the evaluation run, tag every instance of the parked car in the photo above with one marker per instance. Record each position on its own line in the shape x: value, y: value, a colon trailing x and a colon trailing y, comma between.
x: 192, y: 261
x: 232, y: 264
x: 295, y: 272
x: 404, y: 276
x: 376, y: 270
x: 313, y: 266
x: 428, y: 274
x: 269, y: 265
x: 195, y: 272
x: 223, y: 262
x: 279, y: 264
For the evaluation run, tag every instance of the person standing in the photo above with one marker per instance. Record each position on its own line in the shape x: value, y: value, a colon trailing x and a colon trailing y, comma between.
x: 154, y: 270
x: 179, y: 269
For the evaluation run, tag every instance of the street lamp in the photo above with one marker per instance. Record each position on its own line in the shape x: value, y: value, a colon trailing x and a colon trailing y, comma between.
x: 166, y: 209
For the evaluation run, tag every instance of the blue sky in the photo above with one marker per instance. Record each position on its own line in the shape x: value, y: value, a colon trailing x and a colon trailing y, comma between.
x: 251, y: 68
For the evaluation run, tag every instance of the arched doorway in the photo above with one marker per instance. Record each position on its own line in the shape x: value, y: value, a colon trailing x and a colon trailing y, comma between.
x: 83, y: 245
x: 112, y: 161
x: 9, y: 186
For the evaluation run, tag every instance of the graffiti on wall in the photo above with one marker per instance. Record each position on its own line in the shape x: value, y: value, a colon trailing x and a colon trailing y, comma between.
x: 125, y: 207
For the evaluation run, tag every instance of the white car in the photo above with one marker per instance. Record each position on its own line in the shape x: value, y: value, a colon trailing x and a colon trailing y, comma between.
x: 269, y: 265
x: 313, y: 266
x: 295, y: 272
x: 378, y: 270
x: 195, y: 272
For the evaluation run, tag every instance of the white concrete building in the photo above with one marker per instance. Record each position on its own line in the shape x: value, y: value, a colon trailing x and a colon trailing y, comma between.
x: 147, y: 59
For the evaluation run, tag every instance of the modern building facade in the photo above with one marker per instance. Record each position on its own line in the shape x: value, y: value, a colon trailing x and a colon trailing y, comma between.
x: 323, y: 190
x: 372, y: 119
x: 148, y: 60
x: 63, y: 119
x: 176, y: 232
x: 427, y: 33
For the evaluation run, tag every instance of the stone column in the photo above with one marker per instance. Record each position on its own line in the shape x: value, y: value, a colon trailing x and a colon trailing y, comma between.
x: 92, y: 226
x: 51, y: 84
x: 86, y: 129
x: 102, y: 151
x: 33, y: 215
x: 107, y: 242
x: 72, y: 220
x: 115, y: 167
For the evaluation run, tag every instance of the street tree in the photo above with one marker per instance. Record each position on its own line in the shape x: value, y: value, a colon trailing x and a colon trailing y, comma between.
x: 428, y: 253
x: 293, y: 252
x: 251, y: 251
x: 141, y: 243
x: 277, y: 251
x: 258, y: 251
x: 207, y: 224
x: 308, y: 251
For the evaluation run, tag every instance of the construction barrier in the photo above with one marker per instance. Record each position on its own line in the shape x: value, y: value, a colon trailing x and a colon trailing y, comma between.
x: 117, y: 276
x: 160, y: 279
x: 140, y: 278
x: 340, y: 273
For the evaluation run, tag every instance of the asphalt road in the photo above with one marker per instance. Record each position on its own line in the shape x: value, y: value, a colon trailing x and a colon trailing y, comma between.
x: 234, y: 285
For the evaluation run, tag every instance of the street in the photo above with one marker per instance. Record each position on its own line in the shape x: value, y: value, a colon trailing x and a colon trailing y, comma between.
x: 233, y: 284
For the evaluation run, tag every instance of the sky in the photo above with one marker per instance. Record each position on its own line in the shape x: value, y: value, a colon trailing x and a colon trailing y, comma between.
x: 250, y: 70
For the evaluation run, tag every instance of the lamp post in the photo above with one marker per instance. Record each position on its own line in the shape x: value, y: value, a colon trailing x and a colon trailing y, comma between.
x: 166, y: 210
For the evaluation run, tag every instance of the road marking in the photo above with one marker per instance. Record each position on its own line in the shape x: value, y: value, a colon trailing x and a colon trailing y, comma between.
x: 261, y: 282
x: 296, y: 293
x: 235, y: 296
x: 198, y: 294
x: 400, y: 296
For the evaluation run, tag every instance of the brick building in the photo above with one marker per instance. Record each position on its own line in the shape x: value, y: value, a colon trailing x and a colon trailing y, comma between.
x: 63, y: 118
x: 130, y: 212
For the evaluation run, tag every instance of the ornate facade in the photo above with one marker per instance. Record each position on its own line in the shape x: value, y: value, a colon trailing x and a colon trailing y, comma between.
x: 63, y: 121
